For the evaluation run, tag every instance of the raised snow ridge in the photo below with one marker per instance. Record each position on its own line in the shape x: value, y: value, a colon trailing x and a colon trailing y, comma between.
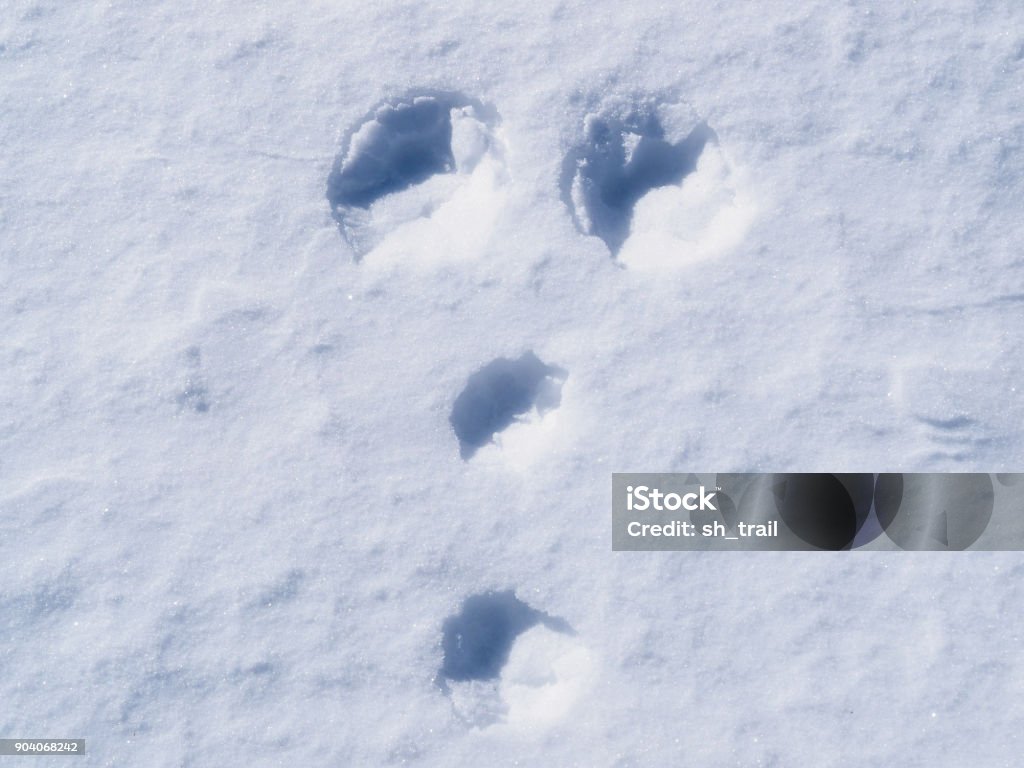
x: 499, y: 392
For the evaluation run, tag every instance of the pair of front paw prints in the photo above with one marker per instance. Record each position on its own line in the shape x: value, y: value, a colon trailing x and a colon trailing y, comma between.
x: 645, y: 176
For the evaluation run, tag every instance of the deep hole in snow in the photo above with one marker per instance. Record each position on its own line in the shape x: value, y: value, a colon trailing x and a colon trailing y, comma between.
x: 404, y: 160
x: 400, y: 144
x: 621, y: 160
x: 500, y: 391
x: 477, y: 640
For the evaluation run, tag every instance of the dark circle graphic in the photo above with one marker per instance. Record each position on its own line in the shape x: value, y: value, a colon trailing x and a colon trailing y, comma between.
x: 825, y: 511
x: 1010, y: 478
x: 933, y: 511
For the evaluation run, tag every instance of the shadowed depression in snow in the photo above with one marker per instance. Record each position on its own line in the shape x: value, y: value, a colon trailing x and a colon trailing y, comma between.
x: 620, y: 161
x: 500, y: 391
x: 401, y: 144
x: 477, y: 640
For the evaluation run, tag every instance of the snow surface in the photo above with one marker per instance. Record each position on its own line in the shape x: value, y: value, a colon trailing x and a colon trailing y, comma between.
x: 234, y: 518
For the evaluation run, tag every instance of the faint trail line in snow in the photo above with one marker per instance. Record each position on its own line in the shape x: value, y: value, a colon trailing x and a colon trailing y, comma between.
x: 996, y: 302
x: 292, y: 158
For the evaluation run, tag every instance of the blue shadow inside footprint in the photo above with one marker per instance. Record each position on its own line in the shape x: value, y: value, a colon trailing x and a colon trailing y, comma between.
x: 477, y: 640
x: 401, y: 145
x: 619, y: 162
x: 497, y: 393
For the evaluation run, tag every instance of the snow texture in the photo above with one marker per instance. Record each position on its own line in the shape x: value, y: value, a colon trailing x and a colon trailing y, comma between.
x: 236, y: 521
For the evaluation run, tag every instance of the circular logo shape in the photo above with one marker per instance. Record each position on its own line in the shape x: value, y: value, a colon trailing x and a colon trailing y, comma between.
x: 934, y: 512
x: 826, y: 511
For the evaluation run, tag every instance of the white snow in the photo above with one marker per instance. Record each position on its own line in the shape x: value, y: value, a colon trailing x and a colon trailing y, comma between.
x: 706, y: 215
x: 234, y: 517
x: 547, y: 673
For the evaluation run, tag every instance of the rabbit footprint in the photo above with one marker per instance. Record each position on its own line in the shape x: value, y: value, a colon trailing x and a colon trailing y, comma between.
x: 422, y: 176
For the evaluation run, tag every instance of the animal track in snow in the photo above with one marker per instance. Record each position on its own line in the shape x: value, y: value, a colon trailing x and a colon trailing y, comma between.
x: 194, y: 396
x: 931, y: 398
x: 653, y: 183
x: 427, y: 167
x: 500, y: 392
x: 478, y: 639
x: 504, y: 660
